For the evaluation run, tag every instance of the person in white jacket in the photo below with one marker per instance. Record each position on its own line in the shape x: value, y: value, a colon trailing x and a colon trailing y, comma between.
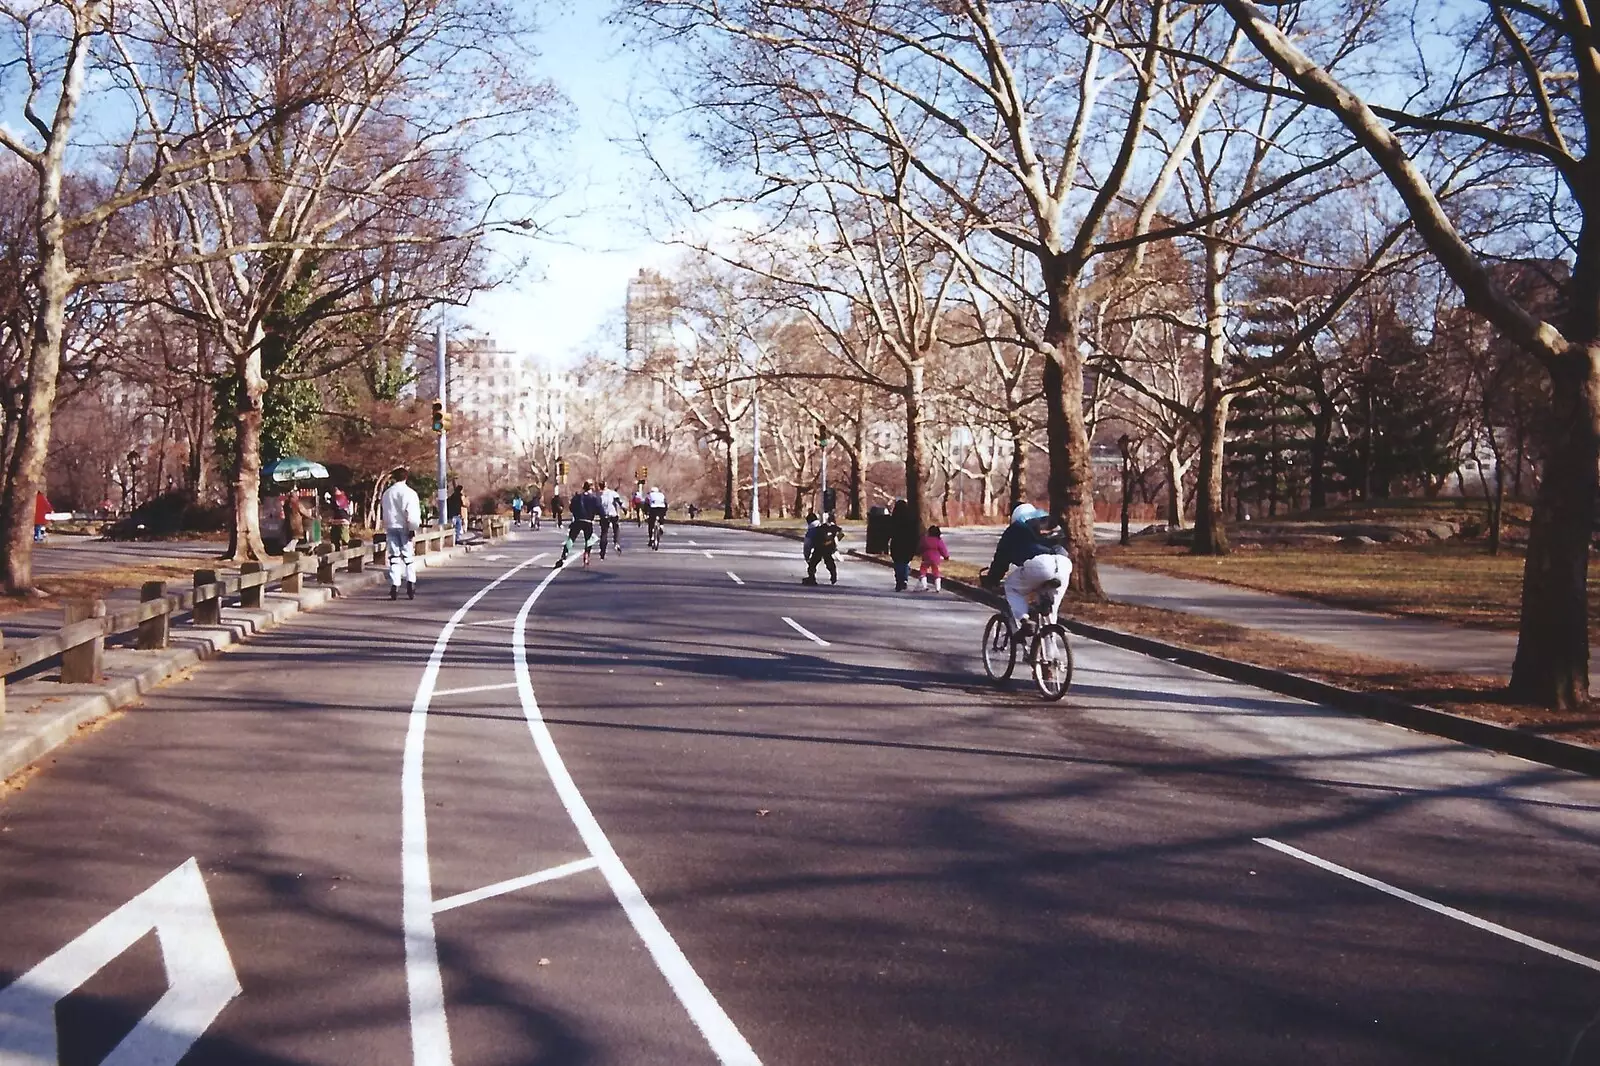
x: 402, y: 517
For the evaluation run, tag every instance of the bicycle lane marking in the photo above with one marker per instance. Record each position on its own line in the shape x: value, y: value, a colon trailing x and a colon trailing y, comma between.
x: 719, y: 1030
x: 1430, y: 905
x: 804, y: 632
x: 430, y: 1031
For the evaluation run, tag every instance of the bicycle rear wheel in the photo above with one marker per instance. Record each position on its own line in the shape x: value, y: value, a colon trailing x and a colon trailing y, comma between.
x: 999, y: 650
x: 1052, y: 662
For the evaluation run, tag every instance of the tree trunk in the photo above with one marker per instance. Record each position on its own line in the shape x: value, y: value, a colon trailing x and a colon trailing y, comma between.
x: 1210, y: 527
x: 1552, y: 663
x: 915, y: 446
x: 1019, y: 464
x: 26, y: 472
x: 1175, y: 472
x: 1321, y: 434
x: 1071, y: 474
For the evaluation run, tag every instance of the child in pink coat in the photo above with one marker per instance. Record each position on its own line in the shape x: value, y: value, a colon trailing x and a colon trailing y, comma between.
x: 933, y: 553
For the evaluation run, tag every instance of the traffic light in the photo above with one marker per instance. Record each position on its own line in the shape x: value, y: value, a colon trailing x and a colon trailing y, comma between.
x: 823, y: 440
x: 438, y: 416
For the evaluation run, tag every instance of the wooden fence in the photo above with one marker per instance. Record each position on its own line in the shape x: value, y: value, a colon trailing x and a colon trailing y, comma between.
x: 80, y: 642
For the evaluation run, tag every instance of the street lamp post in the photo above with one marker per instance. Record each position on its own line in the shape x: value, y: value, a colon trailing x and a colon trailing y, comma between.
x: 755, y: 461
x: 443, y: 463
x: 133, y: 480
x: 1126, y: 444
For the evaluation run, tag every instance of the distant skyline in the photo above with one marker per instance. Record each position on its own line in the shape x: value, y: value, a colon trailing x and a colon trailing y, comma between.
x: 575, y: 283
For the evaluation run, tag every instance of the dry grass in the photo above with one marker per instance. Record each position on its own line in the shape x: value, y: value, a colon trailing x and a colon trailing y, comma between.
x: 91, y: 584
x: 1448, y: 582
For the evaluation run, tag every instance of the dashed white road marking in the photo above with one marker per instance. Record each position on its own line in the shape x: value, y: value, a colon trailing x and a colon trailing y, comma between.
x: 727, y: 1043
x: 708, y: 555
x: 473, y: 688
x: 1430, y: 905
x: 515, y: 884
x: 430, y: 1032
x: 489, y: 622
x: 735, y: 577
x: 804, y: 632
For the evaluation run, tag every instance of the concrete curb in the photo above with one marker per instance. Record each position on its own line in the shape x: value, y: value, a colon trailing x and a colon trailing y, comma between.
x: 1535, y: 747
x: 43, y: 715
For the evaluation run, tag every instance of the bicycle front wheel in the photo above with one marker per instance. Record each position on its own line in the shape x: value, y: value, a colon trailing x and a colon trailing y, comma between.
x: 1052, y: 662
x: 999, y: 650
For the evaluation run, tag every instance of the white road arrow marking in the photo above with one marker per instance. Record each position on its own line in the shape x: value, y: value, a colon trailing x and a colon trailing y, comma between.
x: 200, y: 977
x: 493, y: 558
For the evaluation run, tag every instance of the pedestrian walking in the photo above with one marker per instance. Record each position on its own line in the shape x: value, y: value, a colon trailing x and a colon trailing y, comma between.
x: 516, y: 509
x: 456, y: 505
x: 934, y: 552
x: 611, y: 507
x: 905, y: 537
x: 41, y: 517
x: 555, y: 508
x: 822, y: 548
x: 339, y: 528
x: 402, y: 517
x: 295, y: 513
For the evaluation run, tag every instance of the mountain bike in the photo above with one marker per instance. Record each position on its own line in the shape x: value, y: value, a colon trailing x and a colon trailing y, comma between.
x: 1044, y: 646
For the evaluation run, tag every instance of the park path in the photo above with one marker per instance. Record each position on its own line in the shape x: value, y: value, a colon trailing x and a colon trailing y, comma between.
x: 1433, y: 645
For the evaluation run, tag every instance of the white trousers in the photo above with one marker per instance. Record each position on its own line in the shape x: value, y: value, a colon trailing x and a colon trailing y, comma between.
x: 1023, y: 583
x: 402, y: 557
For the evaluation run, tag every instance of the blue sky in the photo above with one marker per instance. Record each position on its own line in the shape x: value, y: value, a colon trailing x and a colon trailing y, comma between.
x: 574, y: 285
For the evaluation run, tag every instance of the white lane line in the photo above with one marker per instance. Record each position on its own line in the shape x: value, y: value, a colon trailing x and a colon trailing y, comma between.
x: 708, y: 555
x: 515, y: 884
x: 473, y: 688
x: 693, y: 543
x: 1428, y: 904
x: 430, y: 1032
x: 735, y: 577
x: 804, y: 632
x: 727, y: 1043
x: 489, y: 622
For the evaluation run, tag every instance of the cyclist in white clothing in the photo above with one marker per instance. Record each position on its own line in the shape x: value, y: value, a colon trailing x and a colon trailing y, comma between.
x: 1031, y: 549
x: 402, y: 517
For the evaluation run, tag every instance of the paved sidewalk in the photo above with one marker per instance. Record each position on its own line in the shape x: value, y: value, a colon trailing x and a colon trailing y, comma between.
x: 1433, y: 645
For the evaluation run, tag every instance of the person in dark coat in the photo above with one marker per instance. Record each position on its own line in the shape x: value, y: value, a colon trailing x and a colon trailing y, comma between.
x: 905, y: 539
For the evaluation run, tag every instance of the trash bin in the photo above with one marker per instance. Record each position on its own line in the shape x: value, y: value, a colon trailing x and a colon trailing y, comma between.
x: 877, y: 530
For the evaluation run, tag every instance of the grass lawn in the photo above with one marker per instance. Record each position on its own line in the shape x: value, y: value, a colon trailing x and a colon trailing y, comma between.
x: 1450, y: 582
x: 91, y: 584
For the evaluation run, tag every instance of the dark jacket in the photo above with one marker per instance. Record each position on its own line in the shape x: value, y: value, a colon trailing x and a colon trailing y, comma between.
x: 905, y: 533
x: 454, y: 502
x: 586, y: 506
x: 1019, y: 543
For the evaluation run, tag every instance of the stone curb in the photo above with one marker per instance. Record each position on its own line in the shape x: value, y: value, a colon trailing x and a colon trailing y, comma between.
x: 43, y: 714
x: 1535, y: 747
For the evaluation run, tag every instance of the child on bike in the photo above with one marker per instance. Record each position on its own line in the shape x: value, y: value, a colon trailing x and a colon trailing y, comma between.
x: 934, y: 552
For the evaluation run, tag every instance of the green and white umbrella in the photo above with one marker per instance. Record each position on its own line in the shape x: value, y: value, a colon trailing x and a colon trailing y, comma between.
x: 292, y: 469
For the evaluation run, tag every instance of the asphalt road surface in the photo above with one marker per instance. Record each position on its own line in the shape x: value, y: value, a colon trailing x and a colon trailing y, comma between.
x: 678, y: 809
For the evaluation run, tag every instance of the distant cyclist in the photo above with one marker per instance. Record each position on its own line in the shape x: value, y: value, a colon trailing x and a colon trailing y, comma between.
x: 1032, y: 549
x: 657, y: 502
x: 585, y: 513
x: 534, y: 513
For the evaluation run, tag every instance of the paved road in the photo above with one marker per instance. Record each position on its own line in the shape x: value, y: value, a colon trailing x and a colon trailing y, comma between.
x: 1434, y: 645
x: 636, y: 815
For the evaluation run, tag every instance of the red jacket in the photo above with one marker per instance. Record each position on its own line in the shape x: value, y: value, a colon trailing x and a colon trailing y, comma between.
x: 41, y: 509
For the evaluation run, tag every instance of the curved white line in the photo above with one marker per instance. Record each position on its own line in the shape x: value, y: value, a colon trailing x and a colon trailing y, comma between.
x: 430, y: 1033
x: 727, y: 1043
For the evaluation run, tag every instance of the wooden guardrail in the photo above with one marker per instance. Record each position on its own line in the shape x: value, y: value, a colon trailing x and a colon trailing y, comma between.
x: 80, y: 642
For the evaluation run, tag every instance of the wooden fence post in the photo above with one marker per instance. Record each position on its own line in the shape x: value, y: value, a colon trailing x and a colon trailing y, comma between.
x: 82, y: 665
x: 250, y: 597
x: 358, y: 561
x: 292, y: 583
x: 154, y: 632
x: 2, y: 682
x: 206, y: 612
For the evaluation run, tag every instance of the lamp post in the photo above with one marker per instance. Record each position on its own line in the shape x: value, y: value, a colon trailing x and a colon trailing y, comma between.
x: 1126, y: 444
x: 133, y: 480
x: 443, y: 468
